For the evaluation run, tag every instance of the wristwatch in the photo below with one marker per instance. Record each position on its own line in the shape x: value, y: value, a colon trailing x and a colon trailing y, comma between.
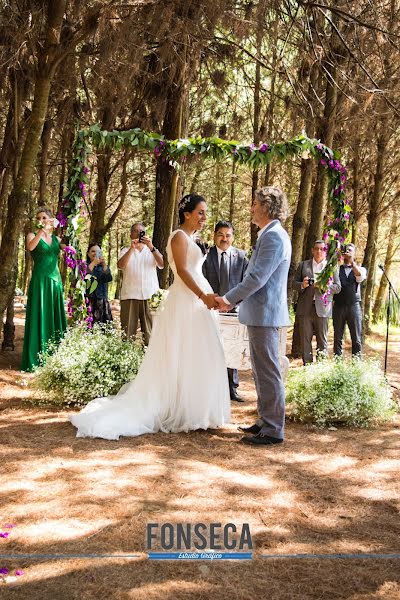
x: 154, y: 249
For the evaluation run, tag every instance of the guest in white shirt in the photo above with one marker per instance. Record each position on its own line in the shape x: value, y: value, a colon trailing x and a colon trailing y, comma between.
x: 347, y: 305
x: 139, y: 264
x: 313, y: 311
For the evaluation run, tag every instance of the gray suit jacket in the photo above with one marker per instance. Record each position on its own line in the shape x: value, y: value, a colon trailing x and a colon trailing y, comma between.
x: 238, y: 262
x: 263, y: 291
x: 306, y: 296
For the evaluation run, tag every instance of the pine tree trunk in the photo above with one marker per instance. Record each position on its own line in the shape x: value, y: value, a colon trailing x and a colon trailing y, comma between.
x: 390, y: 251
x: 356, y: 190
x: 174, y: 126
x: 373, y: 217
x: 300, y: 222
x: 43, y: 167
x: 18, y: 200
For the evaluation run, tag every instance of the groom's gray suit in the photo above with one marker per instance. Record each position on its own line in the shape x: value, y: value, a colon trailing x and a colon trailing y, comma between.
x: 263, y: 308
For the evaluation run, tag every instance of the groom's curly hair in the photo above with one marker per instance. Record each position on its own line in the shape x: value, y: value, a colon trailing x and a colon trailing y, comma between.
x: 274, y: 201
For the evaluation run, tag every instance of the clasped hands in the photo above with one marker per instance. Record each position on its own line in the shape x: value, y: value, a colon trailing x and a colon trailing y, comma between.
x: 213, y: 301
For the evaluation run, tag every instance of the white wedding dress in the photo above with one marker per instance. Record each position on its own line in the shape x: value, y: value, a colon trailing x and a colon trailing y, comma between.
x: 182, y: 383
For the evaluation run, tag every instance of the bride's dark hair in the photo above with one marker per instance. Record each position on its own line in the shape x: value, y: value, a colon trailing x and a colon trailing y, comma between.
x: 188, y: 204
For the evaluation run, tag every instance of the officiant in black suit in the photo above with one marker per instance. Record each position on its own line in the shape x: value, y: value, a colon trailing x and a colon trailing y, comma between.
x: 224, y: 268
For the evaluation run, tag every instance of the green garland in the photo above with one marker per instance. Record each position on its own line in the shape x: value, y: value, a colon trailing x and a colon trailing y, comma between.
x: 175, y: 152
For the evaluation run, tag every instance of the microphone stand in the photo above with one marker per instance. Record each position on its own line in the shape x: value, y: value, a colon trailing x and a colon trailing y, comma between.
x: 391, y: 290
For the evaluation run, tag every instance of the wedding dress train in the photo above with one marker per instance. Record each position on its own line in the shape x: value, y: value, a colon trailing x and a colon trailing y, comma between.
x: 182, y: 382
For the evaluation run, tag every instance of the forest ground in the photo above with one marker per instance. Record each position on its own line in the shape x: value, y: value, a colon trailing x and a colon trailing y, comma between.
x: 322, y: 492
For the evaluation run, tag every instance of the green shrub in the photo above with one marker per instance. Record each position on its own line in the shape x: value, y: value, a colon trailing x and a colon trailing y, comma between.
x: 88, y: 364
x: 333, y: 391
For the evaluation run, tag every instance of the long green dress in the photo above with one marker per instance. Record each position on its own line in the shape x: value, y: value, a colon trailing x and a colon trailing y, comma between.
x: 45, y: 313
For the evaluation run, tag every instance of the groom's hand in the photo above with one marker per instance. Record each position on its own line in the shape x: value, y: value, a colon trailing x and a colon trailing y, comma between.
x: 222, y: 305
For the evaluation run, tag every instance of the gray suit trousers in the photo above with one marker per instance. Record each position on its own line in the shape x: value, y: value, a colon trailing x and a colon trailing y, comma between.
x: 264, y: 353
x: 309, y: 324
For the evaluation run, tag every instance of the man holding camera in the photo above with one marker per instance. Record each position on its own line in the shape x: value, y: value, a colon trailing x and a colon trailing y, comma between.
x: 312, y: 312
x: 347, y: 304
x: 139, y: 264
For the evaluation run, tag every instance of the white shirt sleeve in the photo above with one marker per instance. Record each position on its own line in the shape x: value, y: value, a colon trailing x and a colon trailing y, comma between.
x: 363, y: 275
x: 122, y: 253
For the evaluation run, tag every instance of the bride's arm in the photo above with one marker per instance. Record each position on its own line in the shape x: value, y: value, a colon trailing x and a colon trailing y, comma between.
x: 179, y: 246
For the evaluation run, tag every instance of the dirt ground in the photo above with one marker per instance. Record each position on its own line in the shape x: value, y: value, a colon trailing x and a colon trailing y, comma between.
x: 322, y: 492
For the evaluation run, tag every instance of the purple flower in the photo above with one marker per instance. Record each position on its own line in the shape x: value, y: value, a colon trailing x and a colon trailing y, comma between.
x: 81, y: 185
x: 343, y: 178
x: 320, y: 147
x: 325, y: 236
x: 85, y: 170
x: 345, y: 231
x: 251, y: 148
x: 62, y: 219
x: 4, y: 534
x: 322, y: 162
x: 263, y: 148
x: 69, y: 250
x: 346, y: 216
x: 331, y: 164
x: 9, y: 526
x: 18, y: 573
x: 4, y: 571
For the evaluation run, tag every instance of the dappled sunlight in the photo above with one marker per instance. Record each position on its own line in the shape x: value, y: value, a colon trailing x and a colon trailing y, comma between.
x: 54, y: 530
x: 320, y: 492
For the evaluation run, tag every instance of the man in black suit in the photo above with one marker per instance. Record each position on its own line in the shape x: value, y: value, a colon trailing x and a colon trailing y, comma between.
x: 347, y: 304
x: 224, y: 268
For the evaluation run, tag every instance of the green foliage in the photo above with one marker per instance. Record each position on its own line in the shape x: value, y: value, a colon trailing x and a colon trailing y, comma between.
x: 333, y: 391
x: 88, y: 364
x: 394, y: 312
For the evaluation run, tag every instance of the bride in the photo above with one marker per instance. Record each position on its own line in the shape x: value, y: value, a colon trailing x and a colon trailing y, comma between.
x: 181, y: 384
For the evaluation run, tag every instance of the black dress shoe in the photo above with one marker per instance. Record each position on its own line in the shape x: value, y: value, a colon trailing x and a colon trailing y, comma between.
x: 235, y: 396
x: 261, y: 440
x: 252, y: 429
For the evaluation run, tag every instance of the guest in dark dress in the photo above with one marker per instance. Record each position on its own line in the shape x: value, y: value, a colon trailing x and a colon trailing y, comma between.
x: 98, y: 299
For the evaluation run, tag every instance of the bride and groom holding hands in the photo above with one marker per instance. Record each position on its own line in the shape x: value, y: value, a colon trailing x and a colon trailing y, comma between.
x: 182, y: 383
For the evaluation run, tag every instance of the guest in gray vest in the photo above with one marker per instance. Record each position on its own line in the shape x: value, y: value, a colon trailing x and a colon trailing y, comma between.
x: 312, y: 312
x: 347, y: 304
x: 263, y: 308
x: 224, y: 268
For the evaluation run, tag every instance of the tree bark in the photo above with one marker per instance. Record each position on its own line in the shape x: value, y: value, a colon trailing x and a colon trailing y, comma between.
x: 175, y: 120
x: 373, y: 218
x: 18, y: 201
x: 43, y: 167
x: 390, y: 252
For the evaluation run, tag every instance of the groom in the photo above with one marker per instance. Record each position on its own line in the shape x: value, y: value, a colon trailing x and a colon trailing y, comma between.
x: 264, y: 309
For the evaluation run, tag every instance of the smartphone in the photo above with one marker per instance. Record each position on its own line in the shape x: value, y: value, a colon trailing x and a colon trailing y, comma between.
x: 99, y: 253
x: 141, y: 235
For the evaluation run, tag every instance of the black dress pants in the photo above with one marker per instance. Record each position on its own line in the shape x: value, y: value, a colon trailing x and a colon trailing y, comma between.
x: 352, y: 315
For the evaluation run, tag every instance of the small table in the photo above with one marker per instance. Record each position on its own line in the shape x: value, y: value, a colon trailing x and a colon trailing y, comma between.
x: 235, y: 341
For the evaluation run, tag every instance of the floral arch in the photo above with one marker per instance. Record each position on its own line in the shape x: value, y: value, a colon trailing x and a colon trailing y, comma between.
x: 70, y: 217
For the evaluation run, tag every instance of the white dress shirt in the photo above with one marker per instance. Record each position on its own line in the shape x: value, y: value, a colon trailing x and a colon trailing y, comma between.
x: 318, y: 267
x: 359, y: 278
x: 139, y: 280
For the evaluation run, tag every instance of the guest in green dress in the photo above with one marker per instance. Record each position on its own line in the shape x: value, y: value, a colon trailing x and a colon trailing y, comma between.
x: 45, y: 313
